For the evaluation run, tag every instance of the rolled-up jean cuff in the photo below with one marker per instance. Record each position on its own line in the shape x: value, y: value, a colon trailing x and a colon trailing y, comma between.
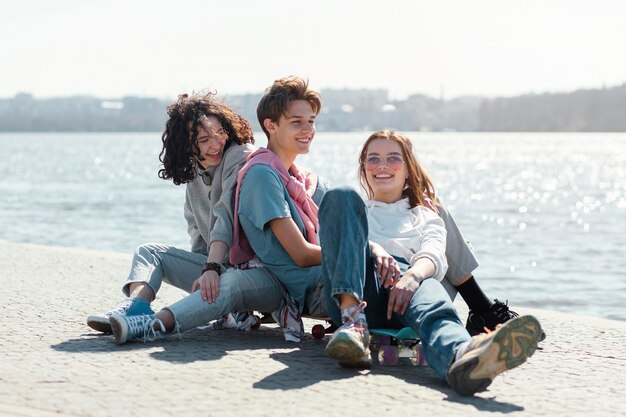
x: 336, y: 292
x: 127, y: 284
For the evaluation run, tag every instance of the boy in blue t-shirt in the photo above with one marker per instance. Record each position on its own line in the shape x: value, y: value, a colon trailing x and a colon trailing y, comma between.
x: 267, y: 213
x: 265, y: 206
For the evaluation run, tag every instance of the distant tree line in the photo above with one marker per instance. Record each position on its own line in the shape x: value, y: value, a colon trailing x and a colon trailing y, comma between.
x: 598, y: 110
x: 343, y: 110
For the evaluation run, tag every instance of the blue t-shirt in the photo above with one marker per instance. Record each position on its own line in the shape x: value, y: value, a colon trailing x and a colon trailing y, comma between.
x: 263, y: 197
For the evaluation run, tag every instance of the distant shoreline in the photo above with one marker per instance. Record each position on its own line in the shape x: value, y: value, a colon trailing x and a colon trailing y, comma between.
x: 344, y: 110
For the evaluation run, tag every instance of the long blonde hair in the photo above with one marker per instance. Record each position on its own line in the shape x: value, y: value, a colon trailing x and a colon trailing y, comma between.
x: 418, y: 187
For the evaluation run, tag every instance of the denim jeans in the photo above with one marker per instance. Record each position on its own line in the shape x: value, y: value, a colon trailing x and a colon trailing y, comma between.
x: 155, y: 263
x: 240, y: 289
x: 347, y: 269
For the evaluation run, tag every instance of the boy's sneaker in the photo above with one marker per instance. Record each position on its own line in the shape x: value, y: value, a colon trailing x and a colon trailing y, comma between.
x: 127, y: 307
x: 487, y: 355
x: 126, y: 328
x: 246, y: 320
x: 498, y: 313
x: 241, y: 321
x: 289, y: 319
x: 350, y: 342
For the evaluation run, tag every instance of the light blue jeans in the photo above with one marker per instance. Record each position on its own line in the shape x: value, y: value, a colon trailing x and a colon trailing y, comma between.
x: 155, y: 263
x: 240, y: 289
x: 347, y: 268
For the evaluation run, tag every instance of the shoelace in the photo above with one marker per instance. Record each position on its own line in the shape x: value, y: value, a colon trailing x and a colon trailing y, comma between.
x: 144, y: 324
x: 503, y: 311
x: 122, y: 306
x: 150, y: 333
x: 354, y: 320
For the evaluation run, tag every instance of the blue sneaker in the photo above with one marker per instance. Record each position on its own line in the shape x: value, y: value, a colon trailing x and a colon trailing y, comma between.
x: 126, y: 328
x: 127, y: 307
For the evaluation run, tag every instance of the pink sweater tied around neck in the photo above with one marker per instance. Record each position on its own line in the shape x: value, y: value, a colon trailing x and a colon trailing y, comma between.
x: 300, y: 185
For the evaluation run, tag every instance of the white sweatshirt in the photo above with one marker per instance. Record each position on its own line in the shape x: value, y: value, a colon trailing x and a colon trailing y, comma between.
x: 410, y: 233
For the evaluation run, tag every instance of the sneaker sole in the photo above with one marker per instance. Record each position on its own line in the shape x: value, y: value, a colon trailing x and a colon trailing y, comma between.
x: 512, y: 344
x: 360, y: 363
x: 119, y: 328
x: 474, y: 332
x: 99, y: 324
x: 348, y: 353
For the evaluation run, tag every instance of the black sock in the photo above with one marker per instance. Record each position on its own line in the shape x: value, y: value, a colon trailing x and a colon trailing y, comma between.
x: 475, y: 298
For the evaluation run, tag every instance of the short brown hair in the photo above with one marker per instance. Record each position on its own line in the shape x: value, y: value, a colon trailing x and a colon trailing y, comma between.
x: 276, y: 99
x: 418, y: 184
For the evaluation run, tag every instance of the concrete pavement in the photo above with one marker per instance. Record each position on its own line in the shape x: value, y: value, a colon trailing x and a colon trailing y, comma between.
x: 51, y: 363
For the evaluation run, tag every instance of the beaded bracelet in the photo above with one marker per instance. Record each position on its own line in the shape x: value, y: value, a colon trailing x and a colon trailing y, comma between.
x: 212, y: 266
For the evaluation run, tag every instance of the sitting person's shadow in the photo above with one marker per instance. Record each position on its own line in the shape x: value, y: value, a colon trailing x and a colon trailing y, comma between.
x: 309, y: 365
x: 305, y: 364
x: 208, y: 345
x: 199, y: 344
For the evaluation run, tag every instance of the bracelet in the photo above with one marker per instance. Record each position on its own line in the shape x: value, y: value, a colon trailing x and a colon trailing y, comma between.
x: 212, y: 266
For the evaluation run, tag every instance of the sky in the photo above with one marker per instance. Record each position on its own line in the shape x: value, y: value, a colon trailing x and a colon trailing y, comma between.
x: 443, y: 48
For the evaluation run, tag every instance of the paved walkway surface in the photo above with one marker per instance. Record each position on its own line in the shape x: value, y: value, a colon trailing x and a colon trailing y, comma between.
x: 51, y: 363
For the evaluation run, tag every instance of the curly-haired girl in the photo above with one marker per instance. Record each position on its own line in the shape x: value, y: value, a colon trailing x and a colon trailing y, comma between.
x: 205, y: 143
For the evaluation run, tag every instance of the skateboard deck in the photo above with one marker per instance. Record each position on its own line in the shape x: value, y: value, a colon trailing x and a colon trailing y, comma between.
x: 406, y: 333
x: 393, y: 344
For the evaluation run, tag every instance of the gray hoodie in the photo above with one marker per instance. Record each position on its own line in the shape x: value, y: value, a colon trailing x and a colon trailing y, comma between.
x: 210, y: 199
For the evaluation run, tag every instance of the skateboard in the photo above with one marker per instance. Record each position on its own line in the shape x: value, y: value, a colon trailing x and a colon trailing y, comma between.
x: 393, y: 344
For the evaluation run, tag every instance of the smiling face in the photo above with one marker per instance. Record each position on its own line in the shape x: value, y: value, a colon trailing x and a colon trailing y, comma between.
x: 385, y: 170
x: 293, y: 133
x: 211, y: 141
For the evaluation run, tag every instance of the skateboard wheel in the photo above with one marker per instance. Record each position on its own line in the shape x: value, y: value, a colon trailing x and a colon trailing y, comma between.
x: 422, y: 359
x: 388, y: 355
x: 416, y: 357
x: 318, y: 331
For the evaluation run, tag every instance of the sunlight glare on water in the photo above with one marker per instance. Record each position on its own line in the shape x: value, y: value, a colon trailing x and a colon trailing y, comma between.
x: 545, y: 213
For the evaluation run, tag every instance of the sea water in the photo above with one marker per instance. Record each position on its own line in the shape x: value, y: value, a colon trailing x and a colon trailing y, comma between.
x: 545, y: 212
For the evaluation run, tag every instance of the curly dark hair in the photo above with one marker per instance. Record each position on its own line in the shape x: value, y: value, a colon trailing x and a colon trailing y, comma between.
x: 180, y: 145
